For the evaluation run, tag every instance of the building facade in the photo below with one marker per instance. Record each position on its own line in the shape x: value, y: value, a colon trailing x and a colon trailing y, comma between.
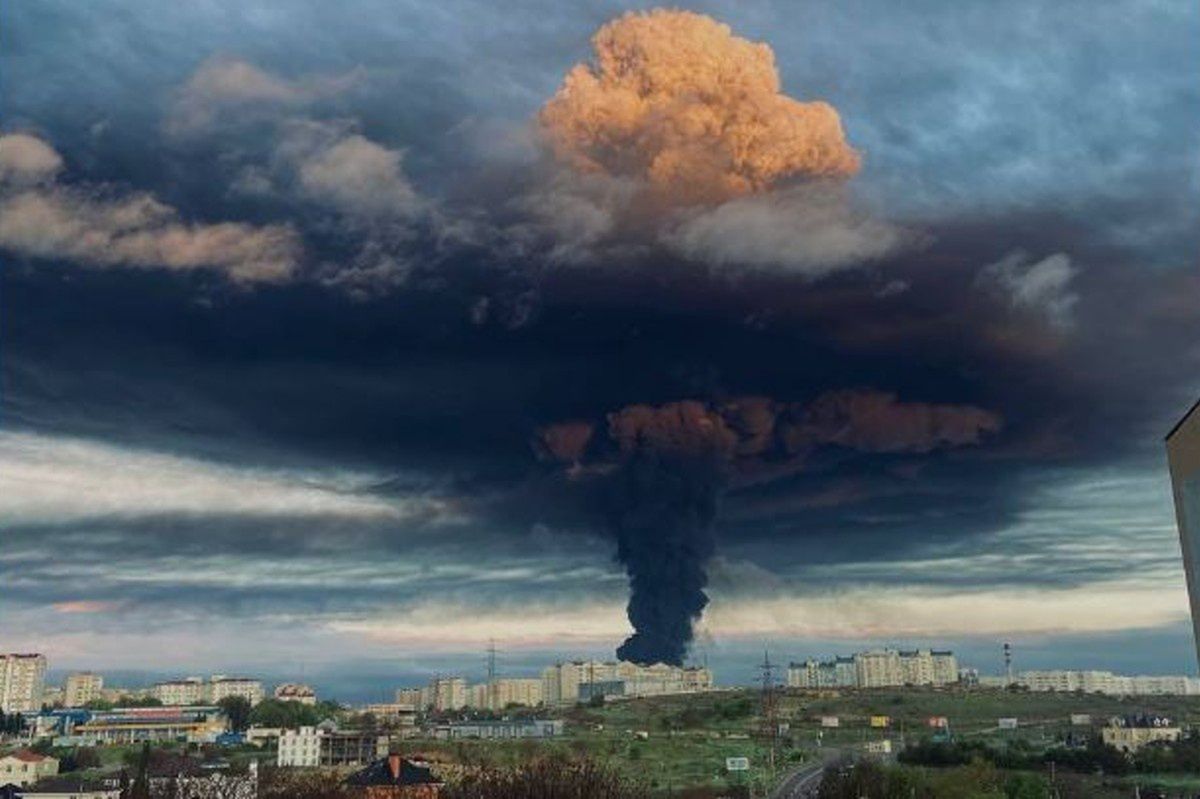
x: 1106, y: 682
x: 564, y: 683
x: 448, y: 693
x: 300, y: 748
x: 1183, y: 455
x: 25, y: 768
x: 188, y: 691
x: 81, y: 688
x: 221, y: 687
x: 880, y: 668
x: 130, y: 725
x: 22, y: 682
x: 296, y: 692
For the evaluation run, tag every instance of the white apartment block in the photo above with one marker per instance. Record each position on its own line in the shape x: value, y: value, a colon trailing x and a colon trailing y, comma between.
x: 880, y: 668
x: 22, y: 682
x: 1106, y: 682
x: 562, y: 682
x: 414, y: 697
x: 300, y: 748
x: 81, y: 688
x: 514, y: 691
x: 221, y: 687
x: 189, y: 691
x: 447, y: 693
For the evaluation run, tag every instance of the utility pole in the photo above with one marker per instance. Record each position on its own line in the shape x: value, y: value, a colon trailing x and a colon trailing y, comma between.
x: 491, y: 674
x: 769, y: 720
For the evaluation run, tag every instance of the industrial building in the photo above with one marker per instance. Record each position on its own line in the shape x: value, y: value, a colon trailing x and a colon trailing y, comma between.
x: 577, y: 681
x: 194, y: 724
x: 1183, y: 455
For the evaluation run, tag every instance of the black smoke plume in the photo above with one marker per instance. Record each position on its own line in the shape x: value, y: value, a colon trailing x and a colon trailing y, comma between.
x: 662, y: 471
x: 661, y: 510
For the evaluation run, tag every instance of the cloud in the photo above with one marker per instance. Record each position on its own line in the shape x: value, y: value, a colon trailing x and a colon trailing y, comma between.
x: 1042, y: 287
x: 94, y: 226
x: 892, y: 612
x: 85, y: 606
x: 346, y: 171
x: 224, y: 85
x: 55, y: 480
x: 809, y: 230
x: 27, y: 159
x: 676, y: 99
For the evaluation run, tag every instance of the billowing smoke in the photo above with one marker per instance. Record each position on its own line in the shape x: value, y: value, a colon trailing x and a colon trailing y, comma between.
x: 663, y: 469
x: 675, y: 99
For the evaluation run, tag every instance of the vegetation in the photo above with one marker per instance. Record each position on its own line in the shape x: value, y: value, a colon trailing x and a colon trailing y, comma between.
x: 237, y: 710
x: 277, y: 713
x: 583, y: 779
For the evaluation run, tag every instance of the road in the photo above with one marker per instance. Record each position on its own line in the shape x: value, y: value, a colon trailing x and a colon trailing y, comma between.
x: 802, y: 783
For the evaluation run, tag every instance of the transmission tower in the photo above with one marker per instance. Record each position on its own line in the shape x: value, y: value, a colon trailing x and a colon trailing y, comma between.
x: 491, y: 675
x: 769, y: 717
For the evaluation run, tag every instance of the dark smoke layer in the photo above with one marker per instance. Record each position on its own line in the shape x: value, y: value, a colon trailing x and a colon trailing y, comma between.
x: 665, y: 467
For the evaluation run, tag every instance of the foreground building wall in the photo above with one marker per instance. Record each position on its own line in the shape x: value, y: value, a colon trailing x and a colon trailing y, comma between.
x: 1183, y: 453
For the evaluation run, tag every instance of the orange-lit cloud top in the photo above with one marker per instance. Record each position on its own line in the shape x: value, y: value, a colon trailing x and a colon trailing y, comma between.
x: 676, y: 99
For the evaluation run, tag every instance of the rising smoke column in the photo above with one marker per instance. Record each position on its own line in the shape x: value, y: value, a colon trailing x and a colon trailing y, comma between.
x: 663, y: 469
x: 676, y: 100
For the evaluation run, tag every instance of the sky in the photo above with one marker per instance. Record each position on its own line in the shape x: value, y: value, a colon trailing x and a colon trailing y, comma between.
x: 338, y: 340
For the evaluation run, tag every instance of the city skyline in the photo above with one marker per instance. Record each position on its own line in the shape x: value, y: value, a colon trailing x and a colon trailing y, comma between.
x: 359, y: 340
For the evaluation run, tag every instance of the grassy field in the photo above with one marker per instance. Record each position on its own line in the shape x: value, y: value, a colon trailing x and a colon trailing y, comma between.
x: 682, y: 741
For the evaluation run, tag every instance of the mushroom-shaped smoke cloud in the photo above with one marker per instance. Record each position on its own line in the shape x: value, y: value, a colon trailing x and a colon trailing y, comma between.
x: 675, y: 99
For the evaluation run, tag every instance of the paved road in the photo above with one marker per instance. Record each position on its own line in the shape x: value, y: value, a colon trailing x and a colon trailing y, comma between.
x: 801, y: 783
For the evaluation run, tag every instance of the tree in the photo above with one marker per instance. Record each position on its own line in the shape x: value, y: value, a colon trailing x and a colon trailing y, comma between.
x: 140, y: 789
x: 237, y: 710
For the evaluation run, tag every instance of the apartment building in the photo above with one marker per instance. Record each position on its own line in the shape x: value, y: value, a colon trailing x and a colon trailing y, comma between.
x: 414, y: 697
x: 81, y: 688
x: 188, y: 691
x: 880, y: 668
x: 447, y: 693
x: 514, y: 691
x: 22, y: 682
x: 566, y: 683
x: 300, y: 748
x: 1106, y: 682
x: 221, y: 687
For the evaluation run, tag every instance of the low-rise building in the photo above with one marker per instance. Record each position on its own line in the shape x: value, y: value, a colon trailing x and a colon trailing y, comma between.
x: 323, y: 747
x: 396, y: 777
x: 194, y: 724
x: 73, y: 786
x: 516, y: 728
x: 22, y: 682
x: 81, y: 688
x: 300, y: 748
x: 25, y: 768
x: 1131, y: 733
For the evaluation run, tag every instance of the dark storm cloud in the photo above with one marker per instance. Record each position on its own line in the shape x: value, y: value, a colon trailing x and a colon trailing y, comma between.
x: 1034, y: 161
